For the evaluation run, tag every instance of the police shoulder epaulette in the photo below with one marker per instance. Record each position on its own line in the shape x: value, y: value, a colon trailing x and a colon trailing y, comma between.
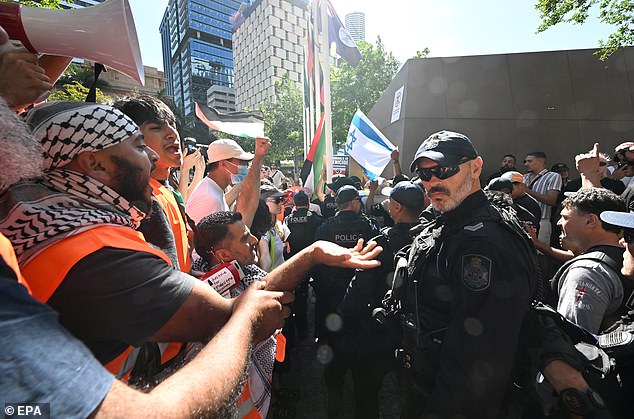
x: 474, y: 227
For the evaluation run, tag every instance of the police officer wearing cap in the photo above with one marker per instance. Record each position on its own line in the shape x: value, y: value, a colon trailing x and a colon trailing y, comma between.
x: 469, y: 279
x: 372, y: 345
x: 345, y: 228
x: 329, y: 205
x: 303, y: 225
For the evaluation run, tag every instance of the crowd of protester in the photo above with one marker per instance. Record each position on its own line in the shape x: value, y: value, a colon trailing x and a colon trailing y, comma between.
x: 142, y: 280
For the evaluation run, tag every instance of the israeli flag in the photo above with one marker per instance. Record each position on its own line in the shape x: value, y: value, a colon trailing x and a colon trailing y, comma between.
x: 368, y: 146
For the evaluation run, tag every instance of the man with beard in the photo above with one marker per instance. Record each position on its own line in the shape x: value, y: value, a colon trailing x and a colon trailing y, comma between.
x: 471, y: 273
x: 73, y: 232
x: 506, y: 165
x: 49, y: 365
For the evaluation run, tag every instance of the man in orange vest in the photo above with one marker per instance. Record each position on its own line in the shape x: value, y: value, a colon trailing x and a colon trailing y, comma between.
x: 51, y: 366
x: 158, y: 126
x: 73, y: 232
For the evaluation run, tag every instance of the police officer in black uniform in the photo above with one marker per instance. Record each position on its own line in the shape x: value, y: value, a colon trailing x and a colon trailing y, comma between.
x: 303, y: 225
x: 471, y: 275
x: 329, y: 205
x: 345, y: 228
x: 371, y: 345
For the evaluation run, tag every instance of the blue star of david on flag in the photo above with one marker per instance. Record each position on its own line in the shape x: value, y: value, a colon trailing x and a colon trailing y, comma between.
x: 368, y: 146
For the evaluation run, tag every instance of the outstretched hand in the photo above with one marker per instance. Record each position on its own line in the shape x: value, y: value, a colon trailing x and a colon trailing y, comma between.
x: 359, y: 257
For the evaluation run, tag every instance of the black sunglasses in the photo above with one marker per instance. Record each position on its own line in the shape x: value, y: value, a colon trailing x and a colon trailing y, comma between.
x: 441, y: 172
x: 628, y: 236
x: 277, y: 200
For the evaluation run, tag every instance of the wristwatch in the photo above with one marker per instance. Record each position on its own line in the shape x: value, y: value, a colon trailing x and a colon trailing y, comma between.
x: 581, y: 403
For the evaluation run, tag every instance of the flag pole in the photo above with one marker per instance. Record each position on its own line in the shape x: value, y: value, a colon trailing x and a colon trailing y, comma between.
x: 316, y: 65
x: 306, y: 106
x: 325, y: 51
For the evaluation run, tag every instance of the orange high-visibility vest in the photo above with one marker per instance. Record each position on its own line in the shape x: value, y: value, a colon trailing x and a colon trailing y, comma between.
x: 165, y: 197
x: 8, y: 254
x: 46, y: 271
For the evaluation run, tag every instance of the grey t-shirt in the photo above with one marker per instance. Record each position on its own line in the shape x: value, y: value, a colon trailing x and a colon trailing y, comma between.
x: 40, y: 362
x: 588, y: 292
x: 114, y: 298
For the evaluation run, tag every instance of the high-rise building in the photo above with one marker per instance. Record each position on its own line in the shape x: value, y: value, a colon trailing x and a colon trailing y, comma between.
x: 197, y: 49
x: 269, y: 43
x: 78, y: 4
x: 355, y: 23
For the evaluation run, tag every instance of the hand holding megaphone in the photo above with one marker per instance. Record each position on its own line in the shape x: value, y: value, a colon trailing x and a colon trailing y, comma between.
x: 22, y: 80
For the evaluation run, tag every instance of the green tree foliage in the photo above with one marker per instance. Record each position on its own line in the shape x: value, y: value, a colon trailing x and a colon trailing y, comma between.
x: 360, y: 86
x: 83, y: 74
x: 422, y: 53
x: 283, y: 120
x: 76, y: 92
x: 618, y: 13
x: 49, y: 4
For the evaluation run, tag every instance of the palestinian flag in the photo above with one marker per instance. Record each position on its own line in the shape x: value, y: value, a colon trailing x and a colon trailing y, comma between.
x: 313, y: 165
x: 240, y: 124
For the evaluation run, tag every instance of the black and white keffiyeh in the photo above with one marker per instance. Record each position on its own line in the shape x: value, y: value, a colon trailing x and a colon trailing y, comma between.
x: 36, y: 214
x: 66, y: 129
x: 263, y: 354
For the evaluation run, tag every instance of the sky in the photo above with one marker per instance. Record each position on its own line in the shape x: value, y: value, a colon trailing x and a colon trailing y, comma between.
x: 447, y: 27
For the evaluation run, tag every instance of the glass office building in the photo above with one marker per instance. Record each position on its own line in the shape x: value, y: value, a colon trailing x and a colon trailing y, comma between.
x: 197, y: 49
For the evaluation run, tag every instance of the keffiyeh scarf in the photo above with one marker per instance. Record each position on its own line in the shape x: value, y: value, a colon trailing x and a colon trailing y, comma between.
x: 263, y: 354
x: 36, y: 214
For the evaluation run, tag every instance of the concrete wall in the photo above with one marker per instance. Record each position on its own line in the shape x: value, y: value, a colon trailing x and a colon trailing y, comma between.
x: 559, y: 102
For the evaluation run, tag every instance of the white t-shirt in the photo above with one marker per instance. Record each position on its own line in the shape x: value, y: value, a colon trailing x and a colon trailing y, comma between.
x: 206, y: 199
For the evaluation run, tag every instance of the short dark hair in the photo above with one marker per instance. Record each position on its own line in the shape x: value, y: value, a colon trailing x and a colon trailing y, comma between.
x: 213, y: 229
x: 509, y: 155
x: 595, y: 201
x: 213, y: 166
x: 539, y: 154
x: 144, y: 108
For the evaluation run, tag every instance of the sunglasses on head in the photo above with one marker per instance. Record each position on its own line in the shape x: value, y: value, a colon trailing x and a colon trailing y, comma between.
x: 276, y: 200
x: 441, y: 172
x: 628, y: 236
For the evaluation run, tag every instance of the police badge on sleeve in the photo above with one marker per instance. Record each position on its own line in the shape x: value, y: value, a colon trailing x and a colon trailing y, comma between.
x: 476, y: 272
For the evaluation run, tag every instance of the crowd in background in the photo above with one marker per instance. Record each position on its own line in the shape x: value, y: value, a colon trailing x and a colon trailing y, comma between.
x: 129, y: 265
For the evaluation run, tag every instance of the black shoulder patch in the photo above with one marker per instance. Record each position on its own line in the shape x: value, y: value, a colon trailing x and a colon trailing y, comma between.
x: 476, y: 272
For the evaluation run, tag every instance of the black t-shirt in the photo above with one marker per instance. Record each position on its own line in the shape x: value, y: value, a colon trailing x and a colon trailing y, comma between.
x: 114, y: 298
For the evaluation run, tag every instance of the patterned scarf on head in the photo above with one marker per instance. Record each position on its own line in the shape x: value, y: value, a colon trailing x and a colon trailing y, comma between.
x: 67, y: 129
x: 36, y: 214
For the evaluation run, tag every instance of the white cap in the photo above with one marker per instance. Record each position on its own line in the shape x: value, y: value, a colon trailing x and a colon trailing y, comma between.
x: 225, y: 149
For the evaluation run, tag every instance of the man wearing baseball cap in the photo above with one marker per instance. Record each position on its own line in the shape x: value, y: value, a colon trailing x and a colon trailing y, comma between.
x: 528, y: 206
x: 471, y: 274
x: 228, y: 164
